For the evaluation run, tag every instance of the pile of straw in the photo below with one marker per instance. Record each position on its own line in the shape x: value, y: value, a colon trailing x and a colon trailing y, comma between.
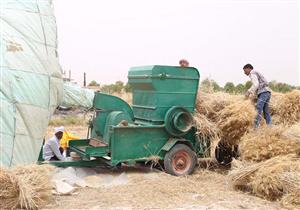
x: 270, y: 179
x: 235, y: 120
x: 25, y: 187
x: 9, y: 190
x: 267, y: 142
x: 291, y: 200
x: 207, y: 130
x: 286, y: 109
x: 211, y: 104
x: 205, y: 127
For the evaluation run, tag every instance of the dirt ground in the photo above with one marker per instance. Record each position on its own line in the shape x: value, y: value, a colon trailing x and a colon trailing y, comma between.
x: 152, y: 189
x: 148, y: 188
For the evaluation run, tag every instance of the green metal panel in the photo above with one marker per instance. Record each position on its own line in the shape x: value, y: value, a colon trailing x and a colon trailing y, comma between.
x: 113, y: 119
x: 136, y: 143
x: 105, y: 105
x: 158, y: 88
x: 171, y: 142
x: 111, y: 103
x: 79, y: 163
x: 82, y: 148
x: 163, y: 100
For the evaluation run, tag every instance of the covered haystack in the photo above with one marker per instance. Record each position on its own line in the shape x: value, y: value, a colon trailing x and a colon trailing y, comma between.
x: 270, y: 179
x: 286, y: 109
x: 267, y: 142
x: 235, y: 120
x: 25, y: 186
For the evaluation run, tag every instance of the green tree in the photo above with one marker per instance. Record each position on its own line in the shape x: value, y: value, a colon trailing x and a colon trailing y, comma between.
x: 280, y: 87
x: 209, y: 85
x: 118, y: 87
x: 240, y: 88
x: 128, y: 88
x: 93, y: 83
x: 229, y: 87
x: 113, y: 88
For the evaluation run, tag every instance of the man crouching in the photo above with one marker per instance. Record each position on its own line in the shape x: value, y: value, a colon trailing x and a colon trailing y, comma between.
x: 51, y: 149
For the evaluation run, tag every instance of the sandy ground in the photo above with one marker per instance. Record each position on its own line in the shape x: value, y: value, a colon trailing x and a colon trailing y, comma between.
x: 154, y: 189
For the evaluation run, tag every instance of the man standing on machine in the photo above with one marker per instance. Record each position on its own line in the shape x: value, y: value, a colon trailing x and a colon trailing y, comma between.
x: 262, y: 91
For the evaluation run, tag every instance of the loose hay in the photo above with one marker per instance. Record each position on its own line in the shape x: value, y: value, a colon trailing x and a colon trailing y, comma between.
x: 291, y: 200
x: 268, y: 142
x: 9, y: 190
x: 25, y: 187
x: 205, y: 127
x: 235, y: 120
x: 287, y: 109
x: 210, y: 104
x: 269, y: 179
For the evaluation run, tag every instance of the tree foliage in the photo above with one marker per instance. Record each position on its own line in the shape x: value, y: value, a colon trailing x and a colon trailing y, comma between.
x: 93, y: 83
x: 117, y: 87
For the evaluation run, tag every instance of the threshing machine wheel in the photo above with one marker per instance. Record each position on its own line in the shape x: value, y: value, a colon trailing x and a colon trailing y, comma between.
x: 180, y: 160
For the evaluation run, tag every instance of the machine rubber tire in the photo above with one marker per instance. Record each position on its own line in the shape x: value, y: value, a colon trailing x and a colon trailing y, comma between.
x: 180, y: 160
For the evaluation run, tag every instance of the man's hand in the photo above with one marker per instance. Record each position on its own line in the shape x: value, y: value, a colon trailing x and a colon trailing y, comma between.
x: 247, y: 94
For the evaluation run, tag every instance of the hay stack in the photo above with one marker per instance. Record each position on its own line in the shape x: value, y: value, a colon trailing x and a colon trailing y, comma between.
x: 9, y: 190
x: 270, y: 179
x: 25, y: 186
x: 275, y: 102
x: 205, y: 127
x: 291, y: 200
x: 235, y: 120
x: 207, y: 130
x: 287, y: 109
x: 267, y: 142
x: 210, y: 104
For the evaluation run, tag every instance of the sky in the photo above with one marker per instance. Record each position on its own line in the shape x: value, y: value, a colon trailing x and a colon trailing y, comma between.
x: 218, y: 37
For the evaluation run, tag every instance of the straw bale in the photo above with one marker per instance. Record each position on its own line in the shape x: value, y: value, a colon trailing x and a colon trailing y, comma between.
x: 268, y: 142
x: 291, y: 200
x: 287, y: 109
x: 270, y: 179
x: 26, y: 187
x: 210, y: 104
x: 270, y: 182
x: 35, y: 185
x: 9, y: 190
x: 235, y: 120
x: 275, y: 102
x: 205, y: 127
x: 207, y: 130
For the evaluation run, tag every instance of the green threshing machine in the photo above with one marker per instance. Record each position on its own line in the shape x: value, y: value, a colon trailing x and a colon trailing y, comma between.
x: 158, y: 126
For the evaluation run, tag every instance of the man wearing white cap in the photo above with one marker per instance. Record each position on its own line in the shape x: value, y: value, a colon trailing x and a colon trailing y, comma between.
x: 51, y: 149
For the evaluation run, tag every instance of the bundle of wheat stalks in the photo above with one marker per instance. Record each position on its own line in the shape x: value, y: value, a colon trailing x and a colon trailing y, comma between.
x: 272, y: 179
x: 25, y: 187
x: 269, y: 141
x: 231, y: 118
x: 224, y: 116
x: 285, y: 108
